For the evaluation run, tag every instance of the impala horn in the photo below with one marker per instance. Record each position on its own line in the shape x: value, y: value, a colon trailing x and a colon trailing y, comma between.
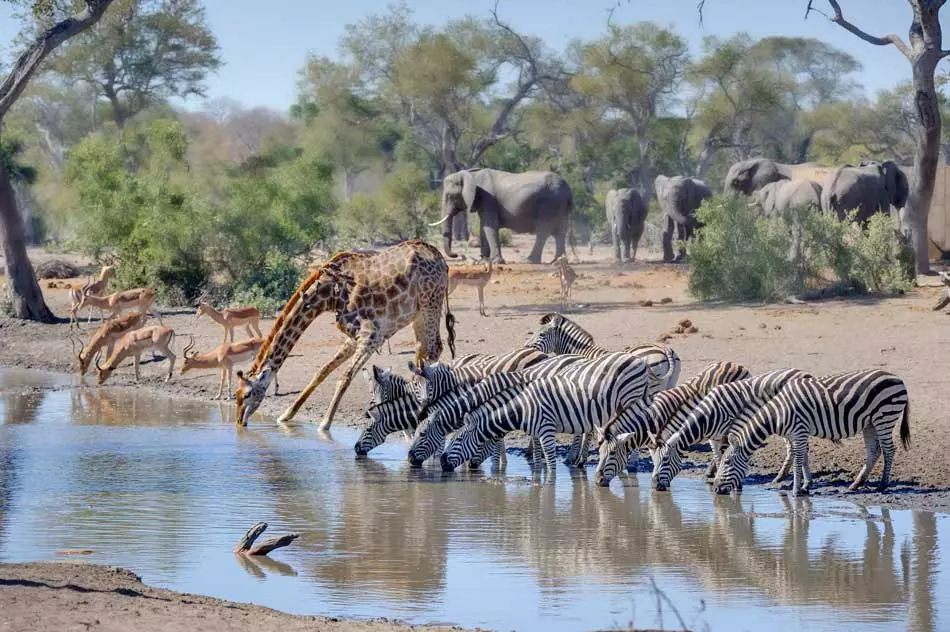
x: 189, y: 347
x: 98, y: 355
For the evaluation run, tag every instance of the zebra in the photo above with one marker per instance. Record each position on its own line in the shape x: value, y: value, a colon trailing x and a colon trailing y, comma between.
x: 394, y: 406
x: 445, y: 414
x: 571, y: 404
x: 712, y: 418
x: 560, y: 335
x: 432, y: 380
x: 836, y: 407
x: 621, y: 438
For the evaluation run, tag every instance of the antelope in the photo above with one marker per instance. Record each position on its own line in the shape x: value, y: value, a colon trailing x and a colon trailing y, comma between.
x: 96, y: 288
x: 106, y: 335
x: 133, y: 344
x: 116, y: 303
x: 231, y: 318
x: 567, y: 276
x: 474, y: 278
x: 224, y: 356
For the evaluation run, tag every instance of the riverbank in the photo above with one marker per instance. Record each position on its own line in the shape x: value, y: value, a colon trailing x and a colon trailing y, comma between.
x: 70, y: 596
x: 619, y: 305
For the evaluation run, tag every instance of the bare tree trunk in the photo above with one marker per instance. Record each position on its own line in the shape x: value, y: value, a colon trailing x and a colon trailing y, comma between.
x: 24, y: 291
x: 926, y: 157
x: 705, y: 158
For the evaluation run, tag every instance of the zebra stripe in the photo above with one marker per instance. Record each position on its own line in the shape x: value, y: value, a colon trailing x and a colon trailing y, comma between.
x: 623, y: 436
x: 559, y: 335
x: 712, y: 418
x: 572, y: 404
x: 836, y: 407
x: 432, y: 380
x: 444, y: 415
x: 392, y: 405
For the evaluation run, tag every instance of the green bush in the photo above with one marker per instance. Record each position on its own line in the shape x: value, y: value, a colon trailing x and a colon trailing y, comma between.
x: 504, y: 236
x: 738, y: 255
x: 401, y: 210
x: 269, y: 287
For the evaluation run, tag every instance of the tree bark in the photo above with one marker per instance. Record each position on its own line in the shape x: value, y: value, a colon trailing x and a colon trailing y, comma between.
x: 22, y: 288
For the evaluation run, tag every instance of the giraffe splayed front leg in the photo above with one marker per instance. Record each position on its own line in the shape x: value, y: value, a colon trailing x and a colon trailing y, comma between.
x: 364, y: 352
x: 344, y: 353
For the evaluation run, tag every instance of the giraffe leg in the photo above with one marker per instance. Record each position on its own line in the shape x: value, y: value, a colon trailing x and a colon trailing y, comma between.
x: 366, y: 350
x: 347, y: 350
x: 257, y: 329
x: 250, y: 333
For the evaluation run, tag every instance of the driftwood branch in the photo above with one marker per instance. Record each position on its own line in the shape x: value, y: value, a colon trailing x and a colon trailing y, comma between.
x: 246, y: 546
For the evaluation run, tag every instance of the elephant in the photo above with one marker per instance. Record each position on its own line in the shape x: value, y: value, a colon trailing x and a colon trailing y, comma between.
x: 627, y: 215
x: 539, y: 202
x: 870, y: 187
x: 781, y: 196
x: 751, y: 175
x: 679, y: 197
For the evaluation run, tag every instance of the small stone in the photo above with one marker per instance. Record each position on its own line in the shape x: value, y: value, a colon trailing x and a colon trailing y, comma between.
x: 691, y: 330
x: 646, y: 303
x: 777, y: 327
x: 665, y: 300
x: 664, y: 337
x: 685, y: 323
x: 763, y: 326
x: 678, y: 330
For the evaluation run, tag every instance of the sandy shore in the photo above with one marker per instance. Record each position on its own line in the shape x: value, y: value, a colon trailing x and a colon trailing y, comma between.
x: 902, y: 335
x: 69, y: 596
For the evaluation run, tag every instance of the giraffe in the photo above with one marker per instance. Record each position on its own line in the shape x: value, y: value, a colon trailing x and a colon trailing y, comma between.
x: 374, y: 295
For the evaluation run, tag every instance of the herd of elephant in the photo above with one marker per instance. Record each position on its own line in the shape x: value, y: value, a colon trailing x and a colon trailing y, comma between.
x: 541, y: 202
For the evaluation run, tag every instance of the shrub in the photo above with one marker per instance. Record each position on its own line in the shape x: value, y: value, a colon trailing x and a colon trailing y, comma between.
x: 269, y: 287
x: 504, y: 236
x: 738, y: 255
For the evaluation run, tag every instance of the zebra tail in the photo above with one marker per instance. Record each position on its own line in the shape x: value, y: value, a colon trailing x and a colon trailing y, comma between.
x: 449, y: 325
x: 905, y: 427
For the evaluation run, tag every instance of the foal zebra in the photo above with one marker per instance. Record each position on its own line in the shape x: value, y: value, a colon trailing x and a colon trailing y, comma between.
x: 623, y: 435
x: 394, y: 406
x: 837, y: 407
x: 559, y: 335
x: 712, y: 418
x: 557, y: 403
x: 445, y: 414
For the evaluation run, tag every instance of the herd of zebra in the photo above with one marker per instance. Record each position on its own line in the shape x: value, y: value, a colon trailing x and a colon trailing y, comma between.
x: 562, y: 382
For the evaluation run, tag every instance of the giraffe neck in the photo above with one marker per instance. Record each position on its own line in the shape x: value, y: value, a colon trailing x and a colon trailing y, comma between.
x: 288, y: 331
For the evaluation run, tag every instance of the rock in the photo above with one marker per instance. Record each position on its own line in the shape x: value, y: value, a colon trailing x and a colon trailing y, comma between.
x: 685, y: 323
x: 777, y: 327
x: 678, y: 330
x: 691, y: 330
x: 763, y: 326
x: 665, y: 300
x: 646, y: 303
x: 664, y: 337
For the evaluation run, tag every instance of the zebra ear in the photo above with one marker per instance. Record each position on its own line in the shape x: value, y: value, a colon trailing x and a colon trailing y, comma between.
x: 415, y: 370
x: 601, y: 434
x: 624, y: 437
x: 655, y: 442
x: 380, y: 374
x: 552, y: 318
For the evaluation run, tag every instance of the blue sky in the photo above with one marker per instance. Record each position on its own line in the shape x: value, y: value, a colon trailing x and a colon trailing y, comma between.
x: 265, y: 44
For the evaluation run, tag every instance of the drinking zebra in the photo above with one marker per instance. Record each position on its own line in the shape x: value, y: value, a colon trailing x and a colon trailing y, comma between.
x: 559, y: 335
x: 394, y: 405
x: 836, y: 407
x: 445, y: 414
x: 712, y: 418
x: 555, y: 404
x: 623, y: 436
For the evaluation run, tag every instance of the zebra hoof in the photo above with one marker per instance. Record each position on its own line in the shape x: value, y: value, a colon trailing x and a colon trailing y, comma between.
x: 800, y: 492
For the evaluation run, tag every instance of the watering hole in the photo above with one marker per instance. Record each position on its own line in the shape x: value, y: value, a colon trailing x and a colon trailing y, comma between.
x: 166, y: 487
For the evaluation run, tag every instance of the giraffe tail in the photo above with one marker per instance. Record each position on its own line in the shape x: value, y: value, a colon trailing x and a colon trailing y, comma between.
x: 449, y: 325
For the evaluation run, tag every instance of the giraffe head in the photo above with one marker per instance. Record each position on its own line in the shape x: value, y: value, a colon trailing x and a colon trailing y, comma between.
x: 250, y: 394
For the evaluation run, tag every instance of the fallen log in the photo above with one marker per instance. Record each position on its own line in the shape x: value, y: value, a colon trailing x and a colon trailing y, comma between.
x: 246, y: 546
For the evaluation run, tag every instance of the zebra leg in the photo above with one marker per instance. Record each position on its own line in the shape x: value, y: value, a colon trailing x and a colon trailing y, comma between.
x: 549, y: 447
x: 800, y: 458
x: 501, y: 457
x: 577, y: 455
x: 873, y: 449
x: 716, y: 446
x: 888, y: 447
x: 786, y: 464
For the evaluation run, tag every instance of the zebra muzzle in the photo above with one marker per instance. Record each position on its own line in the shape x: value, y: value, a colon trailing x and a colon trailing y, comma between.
x: 446, y: 466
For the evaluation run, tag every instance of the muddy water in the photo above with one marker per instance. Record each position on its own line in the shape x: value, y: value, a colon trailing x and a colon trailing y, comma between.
x: 165, y: 487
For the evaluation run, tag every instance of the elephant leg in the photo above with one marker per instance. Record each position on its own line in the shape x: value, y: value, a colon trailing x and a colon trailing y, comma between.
x: 483, y: 243
x: 684, y: 232
x: 616, y: 238
x: 626, y: 249
x: 490, y: 238
x: 668, y: 240
x: 560, y: 242
x: 540, y: 237
x: 635, y: 242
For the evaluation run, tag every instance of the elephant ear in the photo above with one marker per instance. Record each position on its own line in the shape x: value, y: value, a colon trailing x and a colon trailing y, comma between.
x: 469, y: 190
x: 898, y: 188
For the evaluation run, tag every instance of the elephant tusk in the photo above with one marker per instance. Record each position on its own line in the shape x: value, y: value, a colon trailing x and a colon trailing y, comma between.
x: 441, y: 221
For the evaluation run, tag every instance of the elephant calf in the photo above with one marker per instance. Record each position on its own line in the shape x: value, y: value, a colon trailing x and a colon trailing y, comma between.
x: 870, y: 187
x: 679, y: 197
x: 627, y: 216
x: 778, y: 198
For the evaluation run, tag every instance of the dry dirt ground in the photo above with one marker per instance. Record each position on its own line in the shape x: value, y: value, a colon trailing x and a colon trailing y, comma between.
x: 902, y: 335
x: 75, y: 597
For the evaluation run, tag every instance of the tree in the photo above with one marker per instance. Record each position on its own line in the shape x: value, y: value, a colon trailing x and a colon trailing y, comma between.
x: 25, y: 294
x: 143, y: 51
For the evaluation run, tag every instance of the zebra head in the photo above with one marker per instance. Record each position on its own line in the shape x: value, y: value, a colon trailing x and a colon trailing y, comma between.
x: 668, y: 463
x: 384, y: 383
x: 732, y: 470
x: 559, y: 336
x: 386, y: 418
x: 463, y: 447
x: 428, y: 440
x: 426, y: 380
x: 613, y: 455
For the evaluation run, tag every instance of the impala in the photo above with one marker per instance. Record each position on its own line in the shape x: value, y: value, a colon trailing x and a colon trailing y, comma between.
x: 233, y: 317
x: 106, y: 336
x: 223, y: 357
x: 133, y: 344
x: 116, y: 303
x: 96, y: 288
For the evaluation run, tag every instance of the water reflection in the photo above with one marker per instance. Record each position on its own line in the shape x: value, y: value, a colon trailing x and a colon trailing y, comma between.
x: 167, y: 487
